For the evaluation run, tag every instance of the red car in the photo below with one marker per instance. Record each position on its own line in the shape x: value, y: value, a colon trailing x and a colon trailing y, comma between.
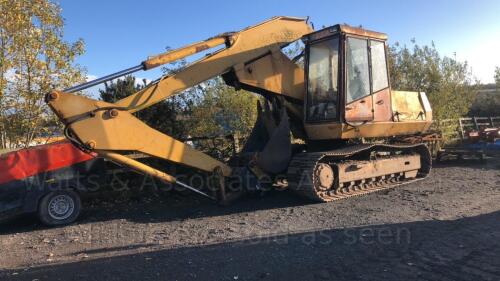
x: 48, y: 180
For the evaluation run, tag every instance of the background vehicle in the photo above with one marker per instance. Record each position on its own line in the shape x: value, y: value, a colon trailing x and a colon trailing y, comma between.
x: 338, y: 100
x: 476, y: 137
x: 48, y: 180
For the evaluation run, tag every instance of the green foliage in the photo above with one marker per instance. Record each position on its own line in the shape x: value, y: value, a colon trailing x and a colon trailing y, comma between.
x: 487, y: 101
x: 119, y: 89
x: 222, y: 110
x: 486, y: 104
x: 447, y: 82
x: 34, y: 60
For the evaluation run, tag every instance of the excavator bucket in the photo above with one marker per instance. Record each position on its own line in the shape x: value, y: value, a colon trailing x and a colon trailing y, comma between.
x: 270, y: 138
x: 277, y: 153
x: 259, y: 135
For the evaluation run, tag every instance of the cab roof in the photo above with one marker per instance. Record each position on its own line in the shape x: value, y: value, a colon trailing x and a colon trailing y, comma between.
x: 346, y: 29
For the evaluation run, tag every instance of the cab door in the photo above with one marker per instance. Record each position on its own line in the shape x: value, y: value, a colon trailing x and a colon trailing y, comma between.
x: 382, y: 109
x: 358, y: 99
x: 322, y: 80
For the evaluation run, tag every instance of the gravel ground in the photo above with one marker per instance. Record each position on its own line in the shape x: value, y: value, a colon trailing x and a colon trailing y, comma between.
x: 446, y: 227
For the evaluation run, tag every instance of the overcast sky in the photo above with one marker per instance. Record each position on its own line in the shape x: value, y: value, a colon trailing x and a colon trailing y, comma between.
x: 120, y: 34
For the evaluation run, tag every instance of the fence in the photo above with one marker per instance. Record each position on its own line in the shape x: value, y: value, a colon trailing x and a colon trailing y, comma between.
x: 455, y: 130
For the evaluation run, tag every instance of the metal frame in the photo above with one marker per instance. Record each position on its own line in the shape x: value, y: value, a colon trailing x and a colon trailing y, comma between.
x: 306, y: 80
x: 106, y: 78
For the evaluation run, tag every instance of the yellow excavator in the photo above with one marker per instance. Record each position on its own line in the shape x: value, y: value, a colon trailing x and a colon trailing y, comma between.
x: 337, y: 99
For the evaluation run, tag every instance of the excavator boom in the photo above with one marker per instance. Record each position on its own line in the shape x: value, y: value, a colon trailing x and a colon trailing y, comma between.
x: 106, y: 127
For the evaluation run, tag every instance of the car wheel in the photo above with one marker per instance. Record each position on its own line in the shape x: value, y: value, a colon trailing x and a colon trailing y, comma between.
x: 59, y: 207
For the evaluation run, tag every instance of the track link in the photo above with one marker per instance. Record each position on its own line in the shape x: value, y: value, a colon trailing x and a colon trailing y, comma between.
x: 303, y: 178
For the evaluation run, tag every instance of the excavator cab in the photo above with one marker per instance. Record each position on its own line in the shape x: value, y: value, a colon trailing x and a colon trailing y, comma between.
x: 346, y: 75
x: 347, y: 88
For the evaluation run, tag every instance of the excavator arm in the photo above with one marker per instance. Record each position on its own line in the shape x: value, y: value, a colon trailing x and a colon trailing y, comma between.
x: 252, y: 55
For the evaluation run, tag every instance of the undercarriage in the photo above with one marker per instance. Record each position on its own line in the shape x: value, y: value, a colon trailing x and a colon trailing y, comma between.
x: 356, y: 170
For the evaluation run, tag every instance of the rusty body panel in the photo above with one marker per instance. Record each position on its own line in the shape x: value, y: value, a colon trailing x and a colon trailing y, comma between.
x: 382, y: 108
x: 362, y: 32
x: 410, y: 106
x: 410, y: 114
x: 349, y: 172
x: 360, y: 110
x: 366, y: 130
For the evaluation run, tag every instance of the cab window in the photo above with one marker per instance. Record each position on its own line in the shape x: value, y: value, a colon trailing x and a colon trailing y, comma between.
x: 379, y: 68
x: 322, y: 90
x: 358, y: 77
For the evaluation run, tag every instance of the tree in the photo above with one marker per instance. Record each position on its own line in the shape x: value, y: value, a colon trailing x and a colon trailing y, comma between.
x: 222, y: 110
x: 119, y: 89
x: 487, y: 102
x: 497, y: 77
x: 34, y: 59
x: 447, y: 82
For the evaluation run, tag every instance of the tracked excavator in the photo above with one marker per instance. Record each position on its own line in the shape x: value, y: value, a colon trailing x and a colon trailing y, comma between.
x: 336, y: 96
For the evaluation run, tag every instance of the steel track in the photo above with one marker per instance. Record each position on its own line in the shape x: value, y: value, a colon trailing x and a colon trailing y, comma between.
x: 301, y: 176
